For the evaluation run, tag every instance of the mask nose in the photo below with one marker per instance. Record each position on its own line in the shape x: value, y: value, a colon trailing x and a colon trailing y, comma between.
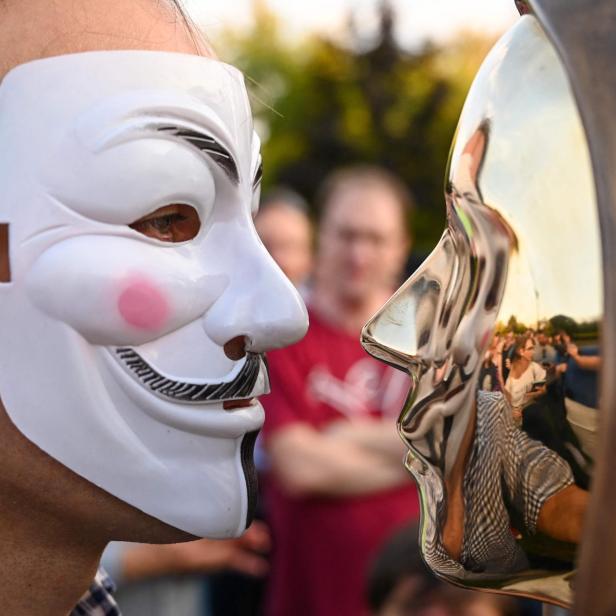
x: 259, y: 305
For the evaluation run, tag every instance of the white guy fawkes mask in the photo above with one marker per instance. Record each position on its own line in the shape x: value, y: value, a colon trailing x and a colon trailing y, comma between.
x: 111, y: 343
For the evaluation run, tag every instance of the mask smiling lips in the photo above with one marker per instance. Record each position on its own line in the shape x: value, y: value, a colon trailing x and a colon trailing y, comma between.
x: 241, y: 386
x: 134, y: 262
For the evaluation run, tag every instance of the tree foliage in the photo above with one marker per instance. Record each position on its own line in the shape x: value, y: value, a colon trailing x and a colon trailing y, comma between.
x: 320, y: 104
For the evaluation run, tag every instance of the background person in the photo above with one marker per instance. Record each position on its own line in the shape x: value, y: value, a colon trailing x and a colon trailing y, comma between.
x: 526, y: 380
x: 337, y: 488
x: 505, y: 346
x: 490, y: 375
x: 285, y: 229
x: 581, y: 391
x: 545, y: 354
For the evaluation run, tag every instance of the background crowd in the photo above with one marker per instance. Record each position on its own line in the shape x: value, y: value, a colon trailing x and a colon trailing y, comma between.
x: 551, y: 384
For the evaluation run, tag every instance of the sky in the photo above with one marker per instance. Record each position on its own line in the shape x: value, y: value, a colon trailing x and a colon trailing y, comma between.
x: 418, y: 20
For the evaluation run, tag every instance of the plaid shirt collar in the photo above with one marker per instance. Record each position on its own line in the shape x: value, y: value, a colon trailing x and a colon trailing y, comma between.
x: 98, y: 601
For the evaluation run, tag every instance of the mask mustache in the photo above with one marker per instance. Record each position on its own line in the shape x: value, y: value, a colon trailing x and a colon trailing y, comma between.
x: 242, y: 386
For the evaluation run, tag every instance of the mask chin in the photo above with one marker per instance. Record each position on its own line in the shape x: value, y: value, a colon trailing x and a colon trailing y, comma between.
x: 250, y: 474
x: 194, y: 481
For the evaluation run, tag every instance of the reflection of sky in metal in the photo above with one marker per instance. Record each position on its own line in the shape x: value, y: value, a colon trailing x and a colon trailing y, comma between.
x: 417, y: 20
x: 537, y: 175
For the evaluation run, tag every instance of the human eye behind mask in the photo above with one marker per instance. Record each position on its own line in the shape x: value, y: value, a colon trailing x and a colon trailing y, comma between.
x: 171, y: 223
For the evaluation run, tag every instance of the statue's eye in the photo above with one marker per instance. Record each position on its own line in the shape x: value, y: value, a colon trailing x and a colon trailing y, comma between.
x: 171, y: 223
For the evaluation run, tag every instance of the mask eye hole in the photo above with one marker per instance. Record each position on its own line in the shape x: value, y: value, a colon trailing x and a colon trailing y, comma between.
x: 5, y: 266
x: 171, y: 223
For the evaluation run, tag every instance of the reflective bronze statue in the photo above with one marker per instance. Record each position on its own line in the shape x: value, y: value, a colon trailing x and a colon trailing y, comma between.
x: 503, y: 432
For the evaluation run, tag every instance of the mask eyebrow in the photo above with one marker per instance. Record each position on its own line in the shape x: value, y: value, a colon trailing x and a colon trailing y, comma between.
x: 206, y: 143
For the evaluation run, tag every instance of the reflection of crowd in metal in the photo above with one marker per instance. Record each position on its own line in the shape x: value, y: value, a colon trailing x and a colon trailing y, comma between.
x: 538, y: 370
x: 526, y: 468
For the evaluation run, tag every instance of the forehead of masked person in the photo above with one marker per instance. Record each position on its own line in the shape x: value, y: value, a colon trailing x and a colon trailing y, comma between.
x: 42, y: 28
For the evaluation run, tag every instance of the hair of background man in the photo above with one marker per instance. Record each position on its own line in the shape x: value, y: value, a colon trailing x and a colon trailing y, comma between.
x: 364, y: 175
x: 282, y: 195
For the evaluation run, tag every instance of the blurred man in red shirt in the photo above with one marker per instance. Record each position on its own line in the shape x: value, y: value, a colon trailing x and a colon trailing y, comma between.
x: 337, y: 487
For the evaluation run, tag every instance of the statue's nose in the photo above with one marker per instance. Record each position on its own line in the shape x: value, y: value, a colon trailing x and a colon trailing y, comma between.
x: 401, y: 332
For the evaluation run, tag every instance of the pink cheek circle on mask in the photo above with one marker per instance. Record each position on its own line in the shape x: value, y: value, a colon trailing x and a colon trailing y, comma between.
x: 143, y: 306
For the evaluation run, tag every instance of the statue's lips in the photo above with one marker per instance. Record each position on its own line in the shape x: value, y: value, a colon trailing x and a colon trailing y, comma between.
x: 244, y: 386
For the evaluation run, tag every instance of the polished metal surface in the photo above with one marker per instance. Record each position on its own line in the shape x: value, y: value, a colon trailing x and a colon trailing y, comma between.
x: 583, y: 31
x: 504, y: 475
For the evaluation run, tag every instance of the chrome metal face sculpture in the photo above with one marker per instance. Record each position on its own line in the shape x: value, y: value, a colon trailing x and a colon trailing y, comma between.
x: 501, y: 430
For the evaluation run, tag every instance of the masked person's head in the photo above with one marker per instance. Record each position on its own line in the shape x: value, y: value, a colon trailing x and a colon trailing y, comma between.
x: 519, y: 194
x: 136, y: 299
